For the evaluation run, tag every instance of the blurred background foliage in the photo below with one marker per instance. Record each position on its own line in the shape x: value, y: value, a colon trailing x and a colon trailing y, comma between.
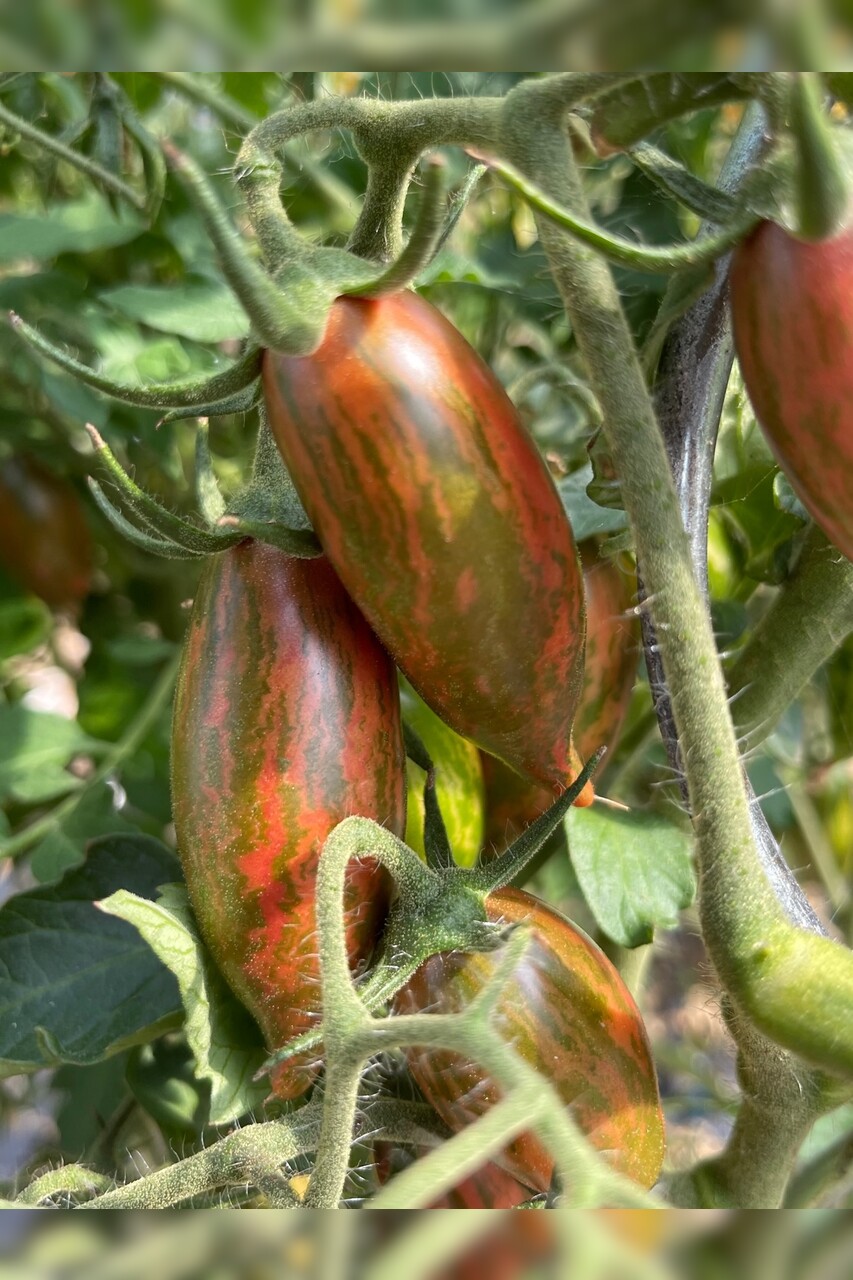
x: 87, y: 657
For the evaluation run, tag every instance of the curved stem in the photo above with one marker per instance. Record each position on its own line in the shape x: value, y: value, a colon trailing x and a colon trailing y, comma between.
x: 810, y: 617
x: 90, y: 167
x: 695, y: 253
x: 423, y: 240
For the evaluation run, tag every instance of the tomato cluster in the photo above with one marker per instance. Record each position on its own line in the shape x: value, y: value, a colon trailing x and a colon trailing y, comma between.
x: 446, y: 551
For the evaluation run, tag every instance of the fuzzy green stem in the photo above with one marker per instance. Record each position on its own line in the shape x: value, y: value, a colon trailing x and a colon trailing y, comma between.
x: 423, y: 240
x: 90, y: 167
x: 154, y: 396
x: 162, y: 522
x: 710, y: 203
x: 244, y: 1156
x: 822, y: 182
x: 156, y: 704
x: 279, y: 321
x: 810, y: 617
x: 746, y: 933
x: 694, y: 253
x: 72, y: 1181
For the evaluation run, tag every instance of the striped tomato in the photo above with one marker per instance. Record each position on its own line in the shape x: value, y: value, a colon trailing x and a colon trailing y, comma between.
x: 792, y: 311
x: 612, y: 648
x: 568, y: 1013
x: 286, y: 721
x: 438, y: 512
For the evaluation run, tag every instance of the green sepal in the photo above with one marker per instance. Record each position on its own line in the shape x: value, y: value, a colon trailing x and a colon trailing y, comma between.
x: 241, y: 402
x: 415, y: 748
x: 145, y: 541
x: 208, y: 495
x: 164, y: 524
x: 296, y: 542
x: 163, y: 395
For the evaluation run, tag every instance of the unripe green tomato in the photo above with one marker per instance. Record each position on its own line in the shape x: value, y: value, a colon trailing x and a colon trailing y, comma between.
x: 458, y: 782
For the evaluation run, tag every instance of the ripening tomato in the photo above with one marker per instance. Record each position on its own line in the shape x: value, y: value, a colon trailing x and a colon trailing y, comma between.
x: 286, y: 721
x: 610, y: 665
x: 440, y: 516
x: 44, y: 539
x: 792, y: 313
x: 568, y: 1013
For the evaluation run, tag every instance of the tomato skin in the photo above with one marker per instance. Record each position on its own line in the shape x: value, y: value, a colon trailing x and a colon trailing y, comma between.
x: 612, y: 651
x: 569, y: 1014
x: 792, y: 313
x: 286, y: 721
x: 438, y: 512
x: 45, y: 542
x: 610, y: 666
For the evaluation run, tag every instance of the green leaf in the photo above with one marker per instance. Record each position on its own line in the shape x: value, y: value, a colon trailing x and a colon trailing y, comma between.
x: 25, y: 623
x: 35, y: 747
x: 225, y: 1042
x: 76, y: 984
x: 79, y: 226
x: 634, y: 868
x: 587, y: 517
x: 204, y: 310
x: 65, y: 846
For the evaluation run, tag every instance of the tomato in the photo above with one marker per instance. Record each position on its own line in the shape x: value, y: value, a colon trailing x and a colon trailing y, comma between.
x: 44, y: 539
x: 286, y: 721
x: 792, y: 312
x: 439, y: 513
x: 568, y: 1013
x: 458, y: 782
x: 612, y: 650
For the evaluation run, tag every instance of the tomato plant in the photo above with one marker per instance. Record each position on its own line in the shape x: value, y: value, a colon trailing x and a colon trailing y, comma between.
x: 44, y: 538
x: 793, y: 324
x: 565, y: 1010
x: 265, y: 341
x: 458, y: 548
x: 284, y: 693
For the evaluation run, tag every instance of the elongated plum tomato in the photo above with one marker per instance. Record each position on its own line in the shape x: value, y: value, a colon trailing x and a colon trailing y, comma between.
x: 612, y: 649
x: 792, y: 311
x: 286, y: 721
x: 568, y: 1013
x: 435, y: 507
x: 44, y: 539
x: 458, y: 782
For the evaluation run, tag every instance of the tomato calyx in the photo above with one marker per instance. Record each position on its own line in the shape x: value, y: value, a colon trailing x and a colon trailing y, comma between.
x: 441, y: 910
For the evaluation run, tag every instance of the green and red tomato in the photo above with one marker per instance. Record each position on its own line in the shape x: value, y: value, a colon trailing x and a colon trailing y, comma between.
x: 568, y: 1013
x: 441, y: 518
x: 792, y: 313
x: 286, y: 721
